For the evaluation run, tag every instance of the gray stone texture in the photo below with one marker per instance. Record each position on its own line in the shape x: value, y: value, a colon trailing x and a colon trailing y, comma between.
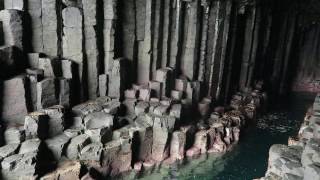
x: 14, y: 103
x: 12, y: 27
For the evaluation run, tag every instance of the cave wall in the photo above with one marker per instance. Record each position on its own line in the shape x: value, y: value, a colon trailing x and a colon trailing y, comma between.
x: 222, y: 46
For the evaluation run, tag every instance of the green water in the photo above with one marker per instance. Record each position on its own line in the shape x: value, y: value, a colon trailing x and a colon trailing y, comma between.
x: 248, y: 159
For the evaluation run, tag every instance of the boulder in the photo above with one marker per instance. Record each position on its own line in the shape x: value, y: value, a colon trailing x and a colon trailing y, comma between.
x: 14, y: 134
x: 92, y: 151
x: 8, y: 150
x: 20, y: 165
x: 30, y: 146
x: 56, y: 121
x: 57, y: 145
x: 86, y: 108
x: 36, y: 125
x: 98, y: 120
x: 76, y: 145
x: 102, y: 135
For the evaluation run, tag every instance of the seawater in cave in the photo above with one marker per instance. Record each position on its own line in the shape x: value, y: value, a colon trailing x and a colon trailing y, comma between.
x: 248, y: 159
x: 159, y: 89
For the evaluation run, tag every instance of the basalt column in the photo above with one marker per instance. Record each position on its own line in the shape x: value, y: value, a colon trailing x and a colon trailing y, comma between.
x: 91, y: 50
x: 43, y: 19
x: 73, y: 43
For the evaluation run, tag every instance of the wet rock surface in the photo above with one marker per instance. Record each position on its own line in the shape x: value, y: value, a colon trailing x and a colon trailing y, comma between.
x: 92, y: 88
x: 300, y: 158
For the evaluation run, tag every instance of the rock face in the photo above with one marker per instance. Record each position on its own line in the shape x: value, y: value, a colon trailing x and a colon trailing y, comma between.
x: 300, y: 159
x: 115, y: 85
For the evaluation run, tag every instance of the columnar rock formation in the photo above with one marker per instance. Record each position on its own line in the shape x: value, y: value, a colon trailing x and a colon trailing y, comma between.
x: 115, y: 85
x: 300, y: 158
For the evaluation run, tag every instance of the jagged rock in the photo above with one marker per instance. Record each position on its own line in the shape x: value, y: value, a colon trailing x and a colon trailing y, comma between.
x: 8, y: 150
x: 13, y: 135
x: 98, y: 120
x: 76, y: 145
x: 311, y: 152
x: 30, y: 146
x: 14, y: 104
x: 92, y: 151
x: 20, y: 165
x: 86, y: 108
x: 284, y: 159
x: 65, y: 170
x: 57, y: 145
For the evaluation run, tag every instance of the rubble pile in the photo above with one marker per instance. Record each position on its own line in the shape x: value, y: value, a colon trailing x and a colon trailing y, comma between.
x: 300, y: 158
x: 134, y: 129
